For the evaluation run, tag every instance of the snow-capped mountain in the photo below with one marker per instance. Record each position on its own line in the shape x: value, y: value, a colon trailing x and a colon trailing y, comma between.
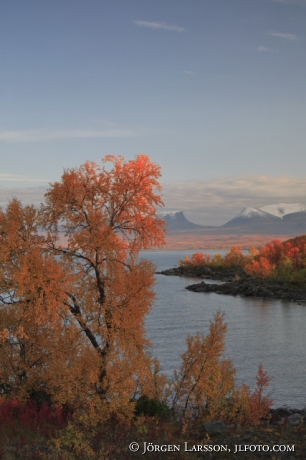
x: 282, y: 209
x: 176, y: 221
x: 276, y: 219
x: 286, y: 215
x: 252, y: 212
x: 252, y: 217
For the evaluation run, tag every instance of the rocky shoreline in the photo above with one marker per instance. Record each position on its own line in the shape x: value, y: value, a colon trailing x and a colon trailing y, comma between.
x: 237, y: 282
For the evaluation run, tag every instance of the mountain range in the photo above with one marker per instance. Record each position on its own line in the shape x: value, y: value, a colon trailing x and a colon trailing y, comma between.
x: 277, y: 219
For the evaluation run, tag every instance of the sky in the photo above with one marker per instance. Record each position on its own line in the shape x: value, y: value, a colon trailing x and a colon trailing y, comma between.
x: 212, y: 90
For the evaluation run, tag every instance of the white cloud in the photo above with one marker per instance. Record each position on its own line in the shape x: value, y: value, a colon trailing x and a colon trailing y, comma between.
x: 189, y: 72
x: 284, y: 36
x: 18, y: 178
x: 47, y: 134
x: 211, y: 202
x: 263, y: 49
x: 159, y: 25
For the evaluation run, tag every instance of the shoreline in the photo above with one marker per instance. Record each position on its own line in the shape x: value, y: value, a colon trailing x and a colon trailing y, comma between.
x: 237, y: 282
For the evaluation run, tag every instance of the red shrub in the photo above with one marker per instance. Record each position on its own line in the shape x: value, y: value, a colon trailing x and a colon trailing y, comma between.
x: 29, y: 415
x: 260, y: 268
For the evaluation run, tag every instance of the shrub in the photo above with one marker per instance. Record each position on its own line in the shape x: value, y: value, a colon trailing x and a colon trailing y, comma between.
x: 204, y: 380
x: 204, y: 388
x: 234, y: 258
x: 249, y: 408
x: 261, y: 268
x: 198, y: 259
x: 151, y: 407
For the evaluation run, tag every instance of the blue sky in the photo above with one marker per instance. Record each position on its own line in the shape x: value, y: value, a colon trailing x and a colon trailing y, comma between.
x: 212, y: 90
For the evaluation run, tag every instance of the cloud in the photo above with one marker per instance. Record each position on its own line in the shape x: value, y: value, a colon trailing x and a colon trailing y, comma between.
x: 27, y: 195
x: 159, y: 25
x: 263, y: 49
x: 18, y: 178
x: 211, y: 202
x: 284, y: 36
x: 48, y: 134
x: 189, y: 72
x: 216, y: 201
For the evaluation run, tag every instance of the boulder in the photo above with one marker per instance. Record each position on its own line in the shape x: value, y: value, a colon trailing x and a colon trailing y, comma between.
x: 295, y: 419
x: 215, y: 427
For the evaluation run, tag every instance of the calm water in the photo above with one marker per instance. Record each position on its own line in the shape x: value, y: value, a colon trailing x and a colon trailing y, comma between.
x: 271, y: 332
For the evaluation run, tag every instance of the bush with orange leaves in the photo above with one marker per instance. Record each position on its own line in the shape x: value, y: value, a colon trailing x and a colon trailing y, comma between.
x: 234, y: 258
x: 283, y: 261
x: 204, y: 387
x: 249, y: 408
x: 261, y: 268
x: 198, y: 260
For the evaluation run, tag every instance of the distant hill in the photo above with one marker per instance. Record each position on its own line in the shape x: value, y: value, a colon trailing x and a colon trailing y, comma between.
x: 176, y: 221
x: 282, y: 209
x: 281, y: 218
x: 277, y: 219
x: 295, y: 221
x: 252, y: 218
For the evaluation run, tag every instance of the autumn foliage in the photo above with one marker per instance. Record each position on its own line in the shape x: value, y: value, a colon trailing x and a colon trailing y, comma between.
x: 73, y: 294
x: 73, y: 300
x: 249, y: 408
x: 283, y: 261
x: 204, y: 387
x: 205, y: 379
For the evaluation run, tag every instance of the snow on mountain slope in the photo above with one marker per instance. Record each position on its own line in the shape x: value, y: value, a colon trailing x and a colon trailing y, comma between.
x: 282, y: 209
x: 170, y: 214
x: 249, y: 212
x: 279, y: 218
x: 176, y: 221
x: 252, y: 218
x: 266, y: 213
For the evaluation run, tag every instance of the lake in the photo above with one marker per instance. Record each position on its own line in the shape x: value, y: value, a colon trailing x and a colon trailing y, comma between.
x: 271, y: 332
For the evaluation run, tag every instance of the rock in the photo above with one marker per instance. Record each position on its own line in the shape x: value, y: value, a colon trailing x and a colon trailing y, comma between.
x: 237, y: 282
x: 279, y: 414
x: 215, y: 427
x: 295, y: 419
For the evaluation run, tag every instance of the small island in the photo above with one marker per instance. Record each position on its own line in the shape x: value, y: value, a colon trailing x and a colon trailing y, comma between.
x: 276, y: 271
